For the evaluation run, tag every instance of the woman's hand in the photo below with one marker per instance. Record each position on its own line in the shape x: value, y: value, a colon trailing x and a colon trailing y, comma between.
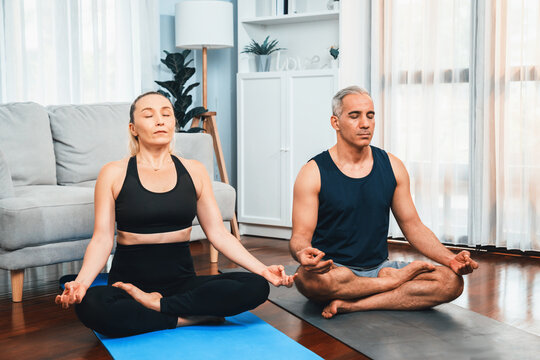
x: 275, y: 274
x: 73, y: 293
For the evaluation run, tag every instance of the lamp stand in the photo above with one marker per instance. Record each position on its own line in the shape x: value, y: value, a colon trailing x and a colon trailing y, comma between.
x: 210, y: 126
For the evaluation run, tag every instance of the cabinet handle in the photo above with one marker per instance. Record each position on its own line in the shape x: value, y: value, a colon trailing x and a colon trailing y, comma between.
x: 284, y: 149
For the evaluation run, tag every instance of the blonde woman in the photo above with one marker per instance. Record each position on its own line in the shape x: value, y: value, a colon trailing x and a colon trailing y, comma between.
x: 153, y: 197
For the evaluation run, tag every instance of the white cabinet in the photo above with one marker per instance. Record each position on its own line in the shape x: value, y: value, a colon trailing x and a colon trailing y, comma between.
x: 283, y: 121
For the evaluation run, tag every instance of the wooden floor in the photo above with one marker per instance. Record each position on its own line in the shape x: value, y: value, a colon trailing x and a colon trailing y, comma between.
x: 505, y: 288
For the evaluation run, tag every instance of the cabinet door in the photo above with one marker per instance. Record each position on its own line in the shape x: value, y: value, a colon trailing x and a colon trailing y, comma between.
x: 260, y: 151
x: 310, y: 108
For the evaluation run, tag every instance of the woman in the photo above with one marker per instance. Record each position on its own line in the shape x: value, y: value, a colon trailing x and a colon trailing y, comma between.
x: 153, y: 197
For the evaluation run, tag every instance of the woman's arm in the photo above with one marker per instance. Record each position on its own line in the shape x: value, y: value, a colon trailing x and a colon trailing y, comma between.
x: 101, y: 244
x: 212, y: 223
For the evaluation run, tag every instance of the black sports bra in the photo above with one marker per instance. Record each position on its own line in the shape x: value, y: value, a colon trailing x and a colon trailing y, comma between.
x: 142, y: 211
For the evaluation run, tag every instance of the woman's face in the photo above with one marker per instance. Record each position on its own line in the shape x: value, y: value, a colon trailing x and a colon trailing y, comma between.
x: 154, y: 121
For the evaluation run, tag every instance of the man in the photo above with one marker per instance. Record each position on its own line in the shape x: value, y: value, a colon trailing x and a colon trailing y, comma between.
x: 342, y: 200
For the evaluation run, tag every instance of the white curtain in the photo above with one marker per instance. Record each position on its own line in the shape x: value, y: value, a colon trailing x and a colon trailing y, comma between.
x: 506, y: 191
x: 85, y: 51
x: 456, y: 87
x: 420, y: 57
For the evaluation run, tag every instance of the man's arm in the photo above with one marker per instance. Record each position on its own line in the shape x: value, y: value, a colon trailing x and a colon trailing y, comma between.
x: 304, y: 219
x: 422, y: 238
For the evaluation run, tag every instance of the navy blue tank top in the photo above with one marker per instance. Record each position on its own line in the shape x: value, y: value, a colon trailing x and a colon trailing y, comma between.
x: 352, y: 223
x: 142, y: 211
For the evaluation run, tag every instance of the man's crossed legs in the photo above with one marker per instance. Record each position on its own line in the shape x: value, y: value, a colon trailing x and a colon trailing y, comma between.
x: 418, y: 285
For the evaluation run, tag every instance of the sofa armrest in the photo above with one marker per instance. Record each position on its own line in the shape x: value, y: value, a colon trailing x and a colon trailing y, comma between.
x: 6, y: 184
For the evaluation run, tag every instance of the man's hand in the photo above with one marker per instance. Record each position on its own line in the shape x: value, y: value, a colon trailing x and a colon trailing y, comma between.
x: 462, y: 263
x: 310, y: 258
x: 73, y: 293
x: 275, y: 274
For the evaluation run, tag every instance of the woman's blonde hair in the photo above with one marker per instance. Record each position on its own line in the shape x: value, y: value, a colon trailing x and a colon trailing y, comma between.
x: 134, y: 146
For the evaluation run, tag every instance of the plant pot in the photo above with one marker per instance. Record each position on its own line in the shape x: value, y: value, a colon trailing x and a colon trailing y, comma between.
x: 334, y: 63
x: 263, y: 63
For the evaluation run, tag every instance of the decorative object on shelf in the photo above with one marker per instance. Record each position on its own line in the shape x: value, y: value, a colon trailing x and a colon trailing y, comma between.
x: 262, y: 52
x: 265, y: 8
x: 334, y: 52
x: 182, y: 72
x: 312, y: 63
x: 333, y: 5
x: 207, y: 25
x: 292, y: 7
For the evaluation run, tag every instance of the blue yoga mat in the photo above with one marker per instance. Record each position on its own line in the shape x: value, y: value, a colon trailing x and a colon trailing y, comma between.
x: 101, y: 279
x: 243, y: 336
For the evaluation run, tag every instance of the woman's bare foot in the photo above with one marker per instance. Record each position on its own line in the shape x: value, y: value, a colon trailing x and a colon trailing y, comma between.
x: 149, y: 300
x: 407, y: 273
x: 199, y: 320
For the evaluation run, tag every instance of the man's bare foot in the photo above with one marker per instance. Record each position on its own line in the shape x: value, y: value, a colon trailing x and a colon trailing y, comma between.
x: 199, y: 320
x: 407, y: 273
x: 149, y: 300
x: 336, y: 307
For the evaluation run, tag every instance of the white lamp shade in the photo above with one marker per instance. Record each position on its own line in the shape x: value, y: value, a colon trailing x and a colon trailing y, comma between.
x: 204, y: 24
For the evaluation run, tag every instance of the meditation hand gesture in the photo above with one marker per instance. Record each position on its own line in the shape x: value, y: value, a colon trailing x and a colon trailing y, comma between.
x: 73, y: 293
x: 310, y: 258
x: 275, y: 274
x: 462, y: 263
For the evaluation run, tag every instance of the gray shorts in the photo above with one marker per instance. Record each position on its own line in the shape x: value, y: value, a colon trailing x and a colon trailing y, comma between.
x: 374, y: 271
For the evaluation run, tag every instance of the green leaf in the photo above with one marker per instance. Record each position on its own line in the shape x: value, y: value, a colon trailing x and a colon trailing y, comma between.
x: 196, y: 111
x: 171, y: 86
x: 183, y: 76
x: 189, y: 88
x: 195, y: 130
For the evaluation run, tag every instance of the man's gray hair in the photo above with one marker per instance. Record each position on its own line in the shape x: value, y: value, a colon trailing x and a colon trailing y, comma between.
x: 337, y: 100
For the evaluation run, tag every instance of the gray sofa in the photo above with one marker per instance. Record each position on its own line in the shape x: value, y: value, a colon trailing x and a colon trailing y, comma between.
x: 49, y: 161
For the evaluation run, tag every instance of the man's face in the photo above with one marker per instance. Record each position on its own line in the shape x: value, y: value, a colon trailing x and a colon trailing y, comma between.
x: 356, y: 124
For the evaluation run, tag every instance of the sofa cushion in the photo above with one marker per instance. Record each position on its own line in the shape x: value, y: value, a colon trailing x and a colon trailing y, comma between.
x: 198, y: 147
x: 6, y: 185
x: 86, y: 137
x: 43, y: 255
x: 42, y: 214
x: 88, y: 184
x: 26, y: 141
x: 225, y: 197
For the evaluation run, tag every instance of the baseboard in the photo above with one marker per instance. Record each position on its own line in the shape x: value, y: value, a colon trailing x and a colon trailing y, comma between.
x: 265, y: 230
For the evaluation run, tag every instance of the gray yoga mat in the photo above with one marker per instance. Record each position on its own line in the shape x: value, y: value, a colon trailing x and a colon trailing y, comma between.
x: 447, y: 331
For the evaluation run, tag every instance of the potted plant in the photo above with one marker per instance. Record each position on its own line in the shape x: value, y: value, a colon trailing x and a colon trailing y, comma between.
x: 334, y: 53
x: 177, y: 89
x: 262, y: 52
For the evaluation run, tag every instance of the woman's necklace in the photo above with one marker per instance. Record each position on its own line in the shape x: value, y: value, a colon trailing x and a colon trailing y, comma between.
x: 153, y: 168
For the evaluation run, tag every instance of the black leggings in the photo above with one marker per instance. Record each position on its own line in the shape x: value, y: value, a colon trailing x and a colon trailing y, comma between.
x: 167, y: 269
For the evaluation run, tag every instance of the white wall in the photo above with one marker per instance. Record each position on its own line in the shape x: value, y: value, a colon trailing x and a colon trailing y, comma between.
x: 222, y: 68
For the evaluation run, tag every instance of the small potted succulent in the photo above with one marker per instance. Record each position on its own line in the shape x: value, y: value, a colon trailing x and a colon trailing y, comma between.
x: 262, y: 52
x: 334, y: 53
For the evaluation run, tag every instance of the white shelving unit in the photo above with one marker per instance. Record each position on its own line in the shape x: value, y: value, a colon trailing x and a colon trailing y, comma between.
x: 283, y: 114
x: 305, y: 36
x: 293, y: 18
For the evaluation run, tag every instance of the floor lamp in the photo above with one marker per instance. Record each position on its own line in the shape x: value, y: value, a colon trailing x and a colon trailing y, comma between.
x: 203, y: 25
